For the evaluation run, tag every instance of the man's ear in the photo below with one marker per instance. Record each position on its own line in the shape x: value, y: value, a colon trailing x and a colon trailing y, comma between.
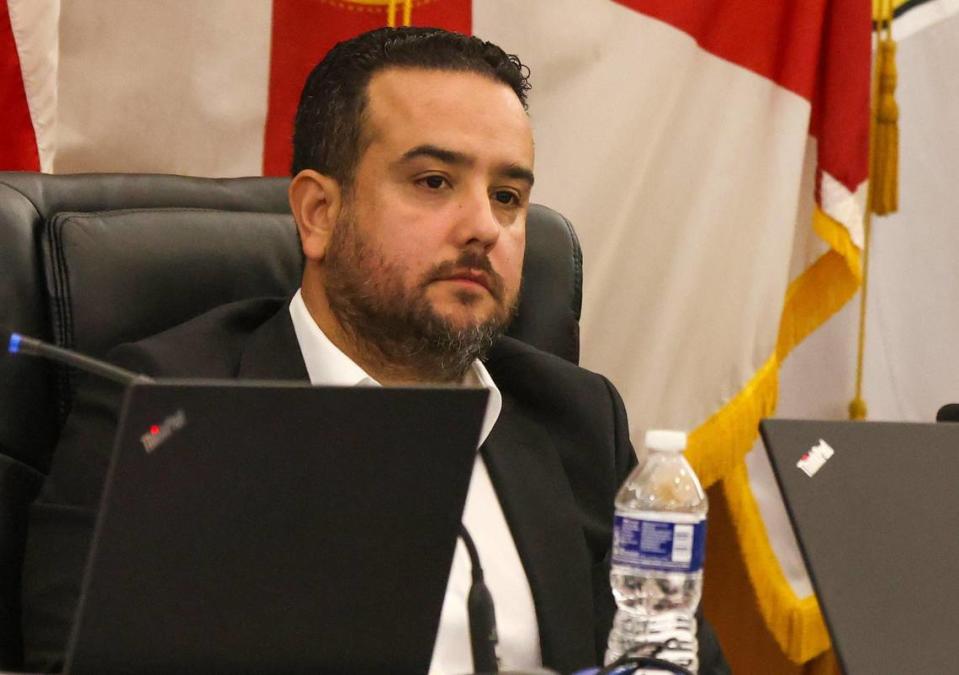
x: 315, y: 200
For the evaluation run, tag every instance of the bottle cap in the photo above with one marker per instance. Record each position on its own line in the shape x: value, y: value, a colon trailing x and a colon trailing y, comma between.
x: 662, y: 439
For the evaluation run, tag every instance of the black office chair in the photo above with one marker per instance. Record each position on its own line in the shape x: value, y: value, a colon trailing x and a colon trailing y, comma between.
x: 92, y: 261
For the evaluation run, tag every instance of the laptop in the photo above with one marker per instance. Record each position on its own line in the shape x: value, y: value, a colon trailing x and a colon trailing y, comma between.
x: 276, y: 527
x: 875, y: 509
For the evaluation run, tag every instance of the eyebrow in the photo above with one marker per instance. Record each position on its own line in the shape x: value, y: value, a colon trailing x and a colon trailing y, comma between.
x: 515, y: 171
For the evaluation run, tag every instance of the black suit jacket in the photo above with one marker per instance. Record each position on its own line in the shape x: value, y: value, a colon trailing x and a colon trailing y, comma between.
x: 556, y: 457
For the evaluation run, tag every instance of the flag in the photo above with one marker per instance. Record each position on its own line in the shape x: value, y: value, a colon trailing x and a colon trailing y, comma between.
x: 18, y: 144
x: 28, y: 57
x: 184, y: 87
x: 297, y: 46
x: 711, y: 154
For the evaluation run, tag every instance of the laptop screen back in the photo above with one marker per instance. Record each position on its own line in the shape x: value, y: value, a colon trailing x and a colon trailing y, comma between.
x: 258, y: 527
x: 877, y: 522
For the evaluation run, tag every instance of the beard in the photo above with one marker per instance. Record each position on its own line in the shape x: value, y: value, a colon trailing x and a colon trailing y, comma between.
x: 396, y: 326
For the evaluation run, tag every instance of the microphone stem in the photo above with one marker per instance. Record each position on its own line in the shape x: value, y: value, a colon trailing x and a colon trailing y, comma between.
x: 25, y: 345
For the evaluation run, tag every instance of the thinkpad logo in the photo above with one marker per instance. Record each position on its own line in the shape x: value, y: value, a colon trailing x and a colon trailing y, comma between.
x: 158, y: 433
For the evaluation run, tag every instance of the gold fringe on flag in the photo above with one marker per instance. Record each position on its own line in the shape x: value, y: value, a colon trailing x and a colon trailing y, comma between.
x: 796, y: 624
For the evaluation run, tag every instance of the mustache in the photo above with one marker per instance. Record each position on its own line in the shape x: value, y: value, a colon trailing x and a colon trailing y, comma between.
x: 472, y: 261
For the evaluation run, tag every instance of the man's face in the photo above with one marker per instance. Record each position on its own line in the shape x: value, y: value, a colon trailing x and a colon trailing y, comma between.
x: 429, y: 244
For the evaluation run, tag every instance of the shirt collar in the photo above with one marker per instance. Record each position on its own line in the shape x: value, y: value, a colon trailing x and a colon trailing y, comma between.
x: 327, y: 365
x: 479, y: 376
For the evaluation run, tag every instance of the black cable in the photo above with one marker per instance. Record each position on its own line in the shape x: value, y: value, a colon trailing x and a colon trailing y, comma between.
x: 628, y: 660
x: 482, y: 615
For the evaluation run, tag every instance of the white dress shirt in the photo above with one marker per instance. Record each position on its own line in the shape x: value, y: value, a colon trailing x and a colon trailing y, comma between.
x: 482, y: 516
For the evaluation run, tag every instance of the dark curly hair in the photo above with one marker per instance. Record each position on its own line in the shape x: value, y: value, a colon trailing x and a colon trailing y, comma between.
x: 328, y: 131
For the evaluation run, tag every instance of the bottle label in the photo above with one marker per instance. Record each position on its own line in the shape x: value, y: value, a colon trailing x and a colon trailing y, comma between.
x: 669, y: 542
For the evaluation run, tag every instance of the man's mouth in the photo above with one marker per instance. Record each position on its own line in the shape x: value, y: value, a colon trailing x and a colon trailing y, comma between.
x: 471, y: 276
x: 472, y: 270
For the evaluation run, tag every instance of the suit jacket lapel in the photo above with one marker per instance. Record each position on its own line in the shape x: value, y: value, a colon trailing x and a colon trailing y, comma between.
x: 272, y: 352
x: 534, y: 492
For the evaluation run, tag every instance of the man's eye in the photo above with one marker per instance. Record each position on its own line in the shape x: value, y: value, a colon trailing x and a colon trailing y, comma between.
x: 506, y: 197
x: 433, y: 182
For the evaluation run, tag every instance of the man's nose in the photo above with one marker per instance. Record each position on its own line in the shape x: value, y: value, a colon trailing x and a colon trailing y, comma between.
x: 477, y: 222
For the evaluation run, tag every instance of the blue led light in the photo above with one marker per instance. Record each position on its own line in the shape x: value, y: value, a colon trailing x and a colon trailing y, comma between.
x: 14, y: 343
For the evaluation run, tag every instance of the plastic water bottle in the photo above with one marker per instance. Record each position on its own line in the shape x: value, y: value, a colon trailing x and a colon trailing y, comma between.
x: 659, y: 539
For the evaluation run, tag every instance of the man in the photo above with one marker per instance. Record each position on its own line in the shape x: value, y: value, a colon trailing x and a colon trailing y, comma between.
x: 413, y: 166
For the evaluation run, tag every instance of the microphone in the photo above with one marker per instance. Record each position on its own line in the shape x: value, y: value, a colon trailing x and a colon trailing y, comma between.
x: 21, y: 344
x: 948, y: 413
x: 481, y: 613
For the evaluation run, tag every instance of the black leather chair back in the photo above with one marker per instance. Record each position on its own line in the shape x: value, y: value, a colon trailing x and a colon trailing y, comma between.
x: 92, y: 261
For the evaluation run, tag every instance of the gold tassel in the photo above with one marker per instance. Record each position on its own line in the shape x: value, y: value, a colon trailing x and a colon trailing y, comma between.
x: 883, y: 193
x: 885, y: 167
x: 857, y: 409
